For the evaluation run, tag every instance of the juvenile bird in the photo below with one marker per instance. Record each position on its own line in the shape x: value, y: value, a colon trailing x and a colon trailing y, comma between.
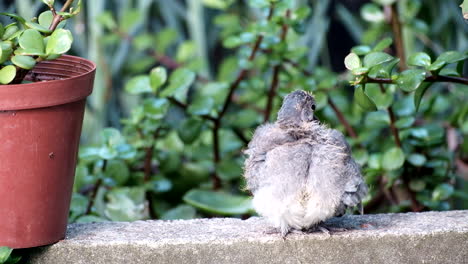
x: 300, y: 172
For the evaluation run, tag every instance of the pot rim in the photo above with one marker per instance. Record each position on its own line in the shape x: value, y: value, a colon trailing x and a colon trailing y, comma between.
x: 73, y: 81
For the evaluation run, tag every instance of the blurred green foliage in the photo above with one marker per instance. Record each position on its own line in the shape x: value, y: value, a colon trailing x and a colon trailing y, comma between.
x: 185, y: 83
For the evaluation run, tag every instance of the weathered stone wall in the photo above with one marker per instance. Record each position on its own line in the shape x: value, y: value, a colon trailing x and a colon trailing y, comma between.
x: 432, y: 237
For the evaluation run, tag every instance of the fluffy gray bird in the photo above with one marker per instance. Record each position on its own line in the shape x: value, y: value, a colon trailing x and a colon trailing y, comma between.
x: 300, y: 172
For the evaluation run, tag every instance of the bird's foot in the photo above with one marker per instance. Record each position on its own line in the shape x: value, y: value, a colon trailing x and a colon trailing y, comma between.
x: 329, y: 230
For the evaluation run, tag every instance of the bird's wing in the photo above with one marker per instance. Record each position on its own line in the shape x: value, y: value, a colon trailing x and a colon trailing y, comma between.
x: 265, y: 138
x: 355, y: 188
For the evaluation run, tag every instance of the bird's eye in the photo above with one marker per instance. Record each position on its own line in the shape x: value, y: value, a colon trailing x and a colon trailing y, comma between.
x: 313, y: 107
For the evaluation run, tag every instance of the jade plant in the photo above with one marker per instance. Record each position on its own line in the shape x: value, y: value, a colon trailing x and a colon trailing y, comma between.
x: 23, y: 43
x: 178, y: 153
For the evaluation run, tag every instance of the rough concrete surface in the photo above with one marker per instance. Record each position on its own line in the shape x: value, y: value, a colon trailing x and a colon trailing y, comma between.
x: 431, y: 237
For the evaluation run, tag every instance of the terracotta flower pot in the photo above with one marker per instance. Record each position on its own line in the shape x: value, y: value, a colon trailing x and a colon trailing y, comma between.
x: 40, y: 127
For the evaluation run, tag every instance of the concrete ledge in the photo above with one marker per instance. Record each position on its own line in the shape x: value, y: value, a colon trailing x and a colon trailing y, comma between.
x: 431, y: 237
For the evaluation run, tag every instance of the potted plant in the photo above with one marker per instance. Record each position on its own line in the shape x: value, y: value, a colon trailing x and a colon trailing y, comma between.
x: 42, y: 101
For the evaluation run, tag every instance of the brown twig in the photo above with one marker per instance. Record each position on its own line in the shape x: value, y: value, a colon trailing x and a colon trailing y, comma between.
x: 397, y: 34
x: 392, y: 117
x: 232, y: 88
x: 431, y: 79
x: 275, y: 75
x: 342, y: 119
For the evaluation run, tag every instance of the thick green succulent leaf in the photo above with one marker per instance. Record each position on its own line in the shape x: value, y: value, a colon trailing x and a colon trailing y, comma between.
x: 5, y: 253
x: 190, y: 130
x: 375, y: 58
x: 59, y: 42
x: 25, y: 62
x: 383, y: 44
x: 372, y: 13
x: 179, y: 83
x: 5, y: 50
x: 363, y: 100
x: 31, y: 41
x: 352, y: 61
x: 418, y: 95
x: 157, y: 77
x: 38, y: 27
x: 419, y: 59
x: 182, y: 211
x: 138, y: 85
x: 393, y: 159
x: 442, y: 192
x: 411, y: 79
x: 218, y: 202
x: 7, y: 74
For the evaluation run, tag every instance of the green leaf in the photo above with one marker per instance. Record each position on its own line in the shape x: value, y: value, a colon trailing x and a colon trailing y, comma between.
x: 417, y: 159
x: 419, y: 59
x: 106, y: 19
x: 11, y: 32
x: 405, y: 122
x: 229, y: 169
x: 38, y: 27
x: 138, y: 85
x: 452, y: 57
x: 372, y: 13
x: 50, y: 3
x: 218, y: 202
x: 352, y: 61
x: 361, y: 50
x: 383, y: 70
x: 363, y: 100
x: 383, y: 44
x: 411, y: 79
x: 218, y: 4
x: 32, y: 41
x: 156, y: 108
x: 375, y: 58
x: 118, y: 171
x: 59, y: 42
x: 382, y: 100
x: 182, y: 211
x: 442, y: 192
x: 15, y: 16
x: 179, y: 83
x: 130, y: 18
x: 190, y: 130
x: 126, y: 204
x: 25, y: 62
x: 7, y: 74
x: 5, y: 253
x: 5, y: 50
x: 464, y: 7
x: 45, y: 18
x: 232, y: 42
x: 418, y: 95
x: 385, y: 2
x: 202, y: 105
x: 360, y: 71
x: 157, y: 78
x: 393, y: 159
x: 436, y: 65
x: 417, y: 185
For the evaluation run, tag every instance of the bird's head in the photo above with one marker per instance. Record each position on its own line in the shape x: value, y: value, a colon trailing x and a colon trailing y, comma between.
x: 298, y: 107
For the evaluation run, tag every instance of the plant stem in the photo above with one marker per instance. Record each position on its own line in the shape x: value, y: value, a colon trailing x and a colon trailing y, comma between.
x: 393, y: 127
x: 276, y: 70
x: 342, y: 119
x: 232, y: 88
x: 398, y: 36
x: 95, y: 189
x: 431, y: 79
